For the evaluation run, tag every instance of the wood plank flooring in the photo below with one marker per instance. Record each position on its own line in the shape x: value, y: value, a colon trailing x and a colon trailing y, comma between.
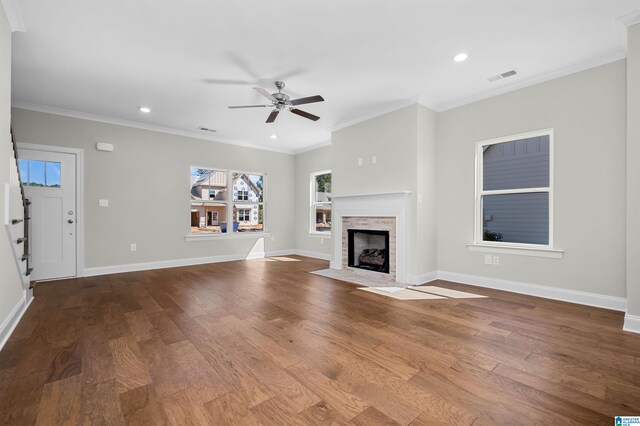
x: 263, y: 342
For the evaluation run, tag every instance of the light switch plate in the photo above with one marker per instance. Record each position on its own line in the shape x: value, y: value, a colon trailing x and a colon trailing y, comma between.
x: 103, y: 203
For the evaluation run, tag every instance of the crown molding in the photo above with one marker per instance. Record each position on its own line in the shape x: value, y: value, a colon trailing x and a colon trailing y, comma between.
x: 562, y: 72
x: 12, y: 10
x: 380, y: 112
x: 313, y: 147
x: 629, y: 19
x: 137, y: 125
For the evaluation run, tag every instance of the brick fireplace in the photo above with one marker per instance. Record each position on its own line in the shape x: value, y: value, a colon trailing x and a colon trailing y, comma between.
x: 379, y: 213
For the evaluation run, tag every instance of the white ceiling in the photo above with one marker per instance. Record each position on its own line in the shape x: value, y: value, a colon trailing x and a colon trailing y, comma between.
x: 189, y: 59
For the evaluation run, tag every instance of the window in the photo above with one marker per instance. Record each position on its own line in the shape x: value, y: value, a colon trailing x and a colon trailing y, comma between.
x: 248, y: 198
x: 244, y: 215
x: 320, y: 221
x: 210, y: 205
x: 43, y: 174
x: 514, y: 191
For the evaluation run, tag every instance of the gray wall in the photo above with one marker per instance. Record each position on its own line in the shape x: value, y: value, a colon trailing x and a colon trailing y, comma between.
x: 423, y: 258
x: 392, y: 139
x: 306, y: 163
x: 587, y: 111
x: 633, y: 171
x: 146, y: 180
x: 11, y: 292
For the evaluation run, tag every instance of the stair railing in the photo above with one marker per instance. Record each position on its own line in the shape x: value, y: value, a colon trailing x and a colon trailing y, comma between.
x: 26, y: 219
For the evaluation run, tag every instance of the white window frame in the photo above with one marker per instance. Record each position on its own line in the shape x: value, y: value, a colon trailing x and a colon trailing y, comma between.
x: 313, y: 204
x: 229, y: 206
x: 479, y: 193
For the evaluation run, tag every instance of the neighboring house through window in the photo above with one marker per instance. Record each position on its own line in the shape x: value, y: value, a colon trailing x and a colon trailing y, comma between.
x: 211, y: 206
x: 514, y: 191
x: 248, y: 198
x: 320, y: 212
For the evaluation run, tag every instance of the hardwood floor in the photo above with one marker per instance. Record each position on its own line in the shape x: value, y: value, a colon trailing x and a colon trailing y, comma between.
x: 265, y: 342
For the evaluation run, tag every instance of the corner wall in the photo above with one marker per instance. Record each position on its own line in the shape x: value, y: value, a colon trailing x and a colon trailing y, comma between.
x: 424, y: 257
x: 587, y: 111
x: 632, y: 321
x: 306, y: 163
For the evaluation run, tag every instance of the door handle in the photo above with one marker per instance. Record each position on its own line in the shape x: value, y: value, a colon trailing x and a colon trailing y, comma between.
x: 70, y: 221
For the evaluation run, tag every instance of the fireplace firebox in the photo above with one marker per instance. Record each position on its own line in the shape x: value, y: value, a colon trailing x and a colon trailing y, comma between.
x: 368, y: 249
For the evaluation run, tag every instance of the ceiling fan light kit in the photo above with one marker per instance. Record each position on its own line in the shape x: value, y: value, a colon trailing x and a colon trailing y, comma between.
x: 281, y: 101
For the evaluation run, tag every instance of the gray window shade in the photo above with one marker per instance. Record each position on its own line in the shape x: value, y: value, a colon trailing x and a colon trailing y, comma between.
x: 516, y: 164
x: 516, y: 218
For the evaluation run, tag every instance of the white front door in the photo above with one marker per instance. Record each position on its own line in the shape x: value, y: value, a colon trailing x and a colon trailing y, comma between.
x: 49, y: 180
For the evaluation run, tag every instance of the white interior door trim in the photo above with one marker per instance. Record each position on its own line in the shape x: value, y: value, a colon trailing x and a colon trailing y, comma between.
x: 79, y: 153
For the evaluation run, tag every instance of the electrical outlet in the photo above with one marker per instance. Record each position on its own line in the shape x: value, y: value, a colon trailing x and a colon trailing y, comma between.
x: 103, y: 203
x: 374, y: 160
x: 496, y: 260
x: 132, y: 247
x: 360, y: 161
x: 487, y: 259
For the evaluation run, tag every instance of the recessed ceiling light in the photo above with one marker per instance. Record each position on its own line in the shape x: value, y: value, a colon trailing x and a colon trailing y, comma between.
x: 460, y: 57
x: 274, y: 136
x: 144, y: 109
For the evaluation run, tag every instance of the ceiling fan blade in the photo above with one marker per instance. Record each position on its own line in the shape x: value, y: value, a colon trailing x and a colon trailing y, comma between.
x: 264, y: 93
x: 272, y: 116
x: 249, y: 106
x: 227, y: 82
x: 304, y: 114
x: 307, y: 100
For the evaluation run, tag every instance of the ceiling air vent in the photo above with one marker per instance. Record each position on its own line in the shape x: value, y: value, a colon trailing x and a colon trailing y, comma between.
x: 501, y: 76
x: 206, y: 129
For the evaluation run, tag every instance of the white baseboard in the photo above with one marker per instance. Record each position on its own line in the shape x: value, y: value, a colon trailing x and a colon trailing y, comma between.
x: 132, y: 267
x: 255, y: 255
x: 313, y: 254
x: 422, y: 278
x: 305, y: 253
x: 274, y: 253
x: 12, y: 320
x: 631, y: 323
x: 573, y: 296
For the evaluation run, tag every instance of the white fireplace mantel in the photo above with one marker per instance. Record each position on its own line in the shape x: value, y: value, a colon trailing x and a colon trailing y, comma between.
x: 389, y: 204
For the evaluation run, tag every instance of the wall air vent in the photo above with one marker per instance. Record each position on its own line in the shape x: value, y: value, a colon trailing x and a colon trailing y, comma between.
x: 501, y: 76
x: 206, y: 129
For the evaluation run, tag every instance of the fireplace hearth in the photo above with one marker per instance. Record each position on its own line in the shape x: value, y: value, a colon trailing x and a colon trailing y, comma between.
x: 368, y: 249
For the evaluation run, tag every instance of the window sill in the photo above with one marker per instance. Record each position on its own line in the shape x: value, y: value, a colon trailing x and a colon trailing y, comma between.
x: 319, y: 235
x: 520, y: 251
x: 225, y: 236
